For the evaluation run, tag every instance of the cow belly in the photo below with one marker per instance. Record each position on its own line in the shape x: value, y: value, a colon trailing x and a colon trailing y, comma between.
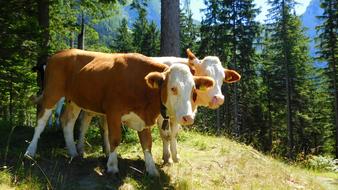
x: 133, y: 121
x: 93, y: 112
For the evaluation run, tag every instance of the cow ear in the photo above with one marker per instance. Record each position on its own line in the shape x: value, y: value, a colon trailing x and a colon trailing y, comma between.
x: 192, y: 59
x: 203, y: 83
x: 154, y: 79
x: 192, y: 69
x: 231, y: 76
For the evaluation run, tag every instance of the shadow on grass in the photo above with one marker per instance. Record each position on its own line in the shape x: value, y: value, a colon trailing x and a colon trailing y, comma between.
x: 52, y: 168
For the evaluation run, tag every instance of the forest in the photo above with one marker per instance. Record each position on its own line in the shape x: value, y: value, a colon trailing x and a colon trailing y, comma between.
x: 284, y: 106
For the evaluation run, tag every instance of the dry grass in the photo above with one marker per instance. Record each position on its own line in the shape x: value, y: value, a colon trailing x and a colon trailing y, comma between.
x: 207, y: 162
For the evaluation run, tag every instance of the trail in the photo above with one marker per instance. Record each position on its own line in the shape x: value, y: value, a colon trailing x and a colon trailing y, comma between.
x: 330, y: 183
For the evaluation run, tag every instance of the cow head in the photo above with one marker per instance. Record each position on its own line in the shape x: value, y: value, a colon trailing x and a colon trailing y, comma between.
x: 212, y: 67
x: 178, y: 91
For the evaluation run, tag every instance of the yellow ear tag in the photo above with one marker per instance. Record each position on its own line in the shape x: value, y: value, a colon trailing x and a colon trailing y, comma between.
x: 229, y: 78
x: 203, y: 88
x: 155, y: 85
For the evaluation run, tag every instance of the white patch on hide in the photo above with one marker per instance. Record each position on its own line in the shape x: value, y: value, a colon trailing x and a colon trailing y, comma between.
x: 133, y: 121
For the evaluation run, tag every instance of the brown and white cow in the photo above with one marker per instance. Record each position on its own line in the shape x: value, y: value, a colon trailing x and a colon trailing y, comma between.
x: 122, y: 87
x: 211, y: 98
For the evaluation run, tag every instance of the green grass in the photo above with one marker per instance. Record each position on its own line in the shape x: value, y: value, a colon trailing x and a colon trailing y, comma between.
x: 207, y: 162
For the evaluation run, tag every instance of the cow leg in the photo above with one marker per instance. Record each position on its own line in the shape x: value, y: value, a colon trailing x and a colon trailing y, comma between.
x: 42, y: 120
x: 165, y: 136
x: 68, y: 119
x: 105, y: 136
x: 86, y: 117
x: 146, y: 142
x: 173, y: 141
x: 165, y: 142
x: 114, y: 129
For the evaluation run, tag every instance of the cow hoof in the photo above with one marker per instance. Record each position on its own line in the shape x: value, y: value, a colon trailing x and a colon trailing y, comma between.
x: 80, y: 151
x: 30, y: 152
x: 112, y: 170
x: 153, y: 172
x: 115, y: 176
x: 166, y: 158
x: 75, y: 159
x: 176, y: 159
x: 167, y: 162
x: 73, y: 154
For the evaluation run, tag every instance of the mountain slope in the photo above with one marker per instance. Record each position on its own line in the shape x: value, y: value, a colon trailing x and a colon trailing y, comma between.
x: 207, y: 162
x: 310, y: 21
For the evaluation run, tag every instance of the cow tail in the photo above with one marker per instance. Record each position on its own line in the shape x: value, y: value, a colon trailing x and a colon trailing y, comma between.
x: 36, y: 99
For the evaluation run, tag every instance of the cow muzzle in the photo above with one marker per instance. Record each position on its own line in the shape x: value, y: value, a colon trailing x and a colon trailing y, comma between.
x: 187, y: 120
x: 216, y: 101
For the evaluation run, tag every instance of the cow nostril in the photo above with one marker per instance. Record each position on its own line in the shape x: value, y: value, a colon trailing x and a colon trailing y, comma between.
x: 187, y: 119
x: 219, y: 98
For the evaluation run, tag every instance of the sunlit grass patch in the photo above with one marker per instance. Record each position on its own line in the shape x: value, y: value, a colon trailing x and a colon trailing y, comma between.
x: 207, y: 162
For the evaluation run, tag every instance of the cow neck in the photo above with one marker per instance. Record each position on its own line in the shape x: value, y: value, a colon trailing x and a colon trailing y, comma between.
x: 163, y: 111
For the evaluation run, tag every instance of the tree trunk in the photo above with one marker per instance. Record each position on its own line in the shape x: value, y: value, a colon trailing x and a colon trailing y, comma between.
x: 218, y: 120
x: 226, y: 106
x: 287, y: 83
x: 170, y: 28
x: 269, y: 142
x: 81, y: 36
x: 71, y: 40
x: 236, y: 104
x: 11, y: 100
x: 43, y: 19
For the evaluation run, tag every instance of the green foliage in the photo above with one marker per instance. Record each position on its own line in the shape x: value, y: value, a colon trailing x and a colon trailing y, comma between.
x: 188, y: 30
x: 129, y: 135
x: 124, y: 39
x: 328, y: 51
x: 321, y: 163
x: 286, y: 58
x: 18, y: 31
x: 146, y: 37
x: 228, y: 31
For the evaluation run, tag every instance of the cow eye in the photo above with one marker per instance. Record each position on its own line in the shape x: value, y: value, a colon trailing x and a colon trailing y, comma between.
x: 174, y: 90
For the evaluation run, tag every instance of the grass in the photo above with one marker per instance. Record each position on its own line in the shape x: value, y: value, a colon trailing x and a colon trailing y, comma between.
x: 207, y: 162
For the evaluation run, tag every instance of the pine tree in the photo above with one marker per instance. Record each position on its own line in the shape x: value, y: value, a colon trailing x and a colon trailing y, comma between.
x: 212, y: 42
x: 211, y: 31
x: 243, y: 30
x: 124, y: 39
x: 329, y: 51
x: 290, y: 70
x: 151, y: 46
x: 140, y: 28
x: 228, y: 31
x: 188, y: 30
x: 145, y: 35
x: 19, y: 44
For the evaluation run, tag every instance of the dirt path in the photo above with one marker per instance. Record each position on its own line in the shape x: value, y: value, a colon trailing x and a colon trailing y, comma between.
x: 330, y: 183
